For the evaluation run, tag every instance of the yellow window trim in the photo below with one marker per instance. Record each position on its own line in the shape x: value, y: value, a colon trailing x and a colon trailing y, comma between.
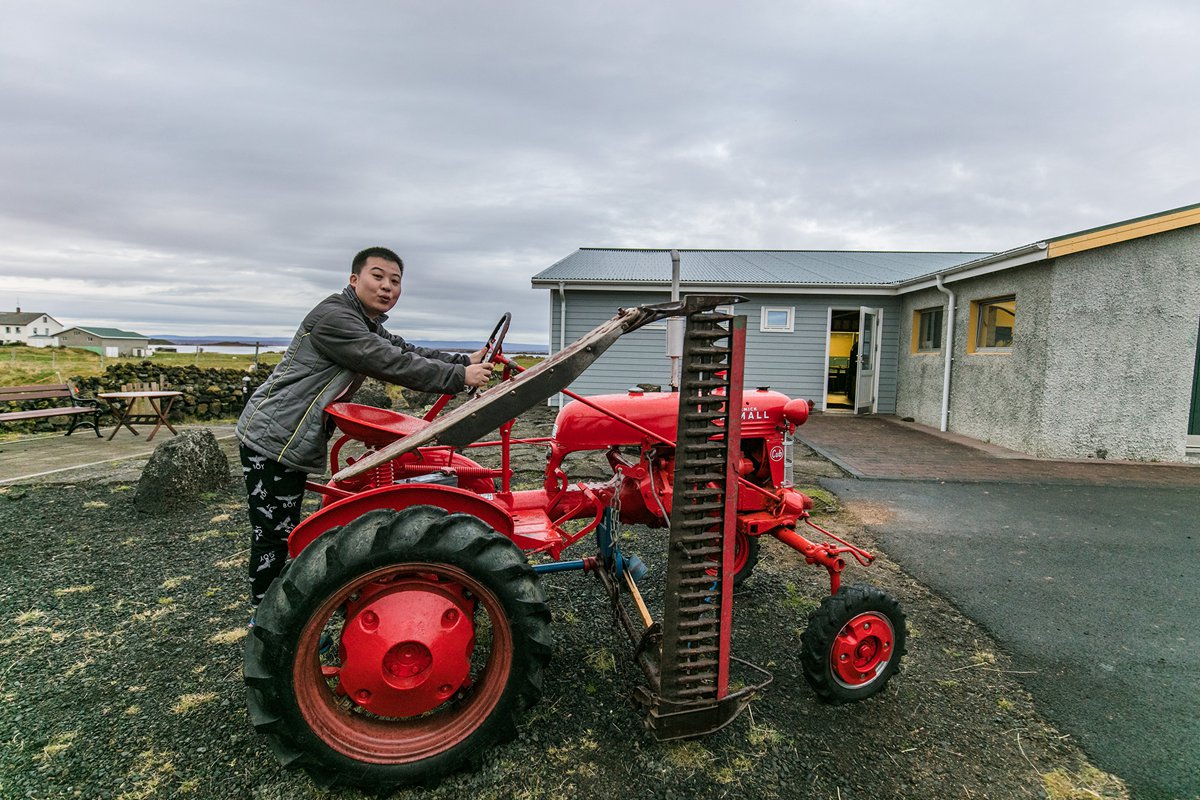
x: 916, y: 332
x: 973, y: 329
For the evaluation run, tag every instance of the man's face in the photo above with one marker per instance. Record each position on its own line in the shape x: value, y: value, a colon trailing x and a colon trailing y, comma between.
x: 377, y: 285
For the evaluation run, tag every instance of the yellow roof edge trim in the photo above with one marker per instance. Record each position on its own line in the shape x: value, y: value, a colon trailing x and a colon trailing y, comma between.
x: 1134, y: 229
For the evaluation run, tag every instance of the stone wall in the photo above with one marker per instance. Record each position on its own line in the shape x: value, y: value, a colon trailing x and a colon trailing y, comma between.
x: 208, y: 394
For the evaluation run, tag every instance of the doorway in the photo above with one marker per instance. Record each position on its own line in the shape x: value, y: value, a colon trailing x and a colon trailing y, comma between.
x: 841, y: 359
x: 870, y: 346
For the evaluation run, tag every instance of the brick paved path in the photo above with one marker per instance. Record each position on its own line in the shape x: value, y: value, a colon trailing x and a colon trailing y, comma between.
x: 883, y: 448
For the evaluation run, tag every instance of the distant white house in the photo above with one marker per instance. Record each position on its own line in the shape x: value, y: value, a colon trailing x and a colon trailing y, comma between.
x: 27, y: 327
x: 108, y: 341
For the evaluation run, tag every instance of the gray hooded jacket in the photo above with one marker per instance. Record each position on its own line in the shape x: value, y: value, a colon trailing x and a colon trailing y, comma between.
x: 336, y: 347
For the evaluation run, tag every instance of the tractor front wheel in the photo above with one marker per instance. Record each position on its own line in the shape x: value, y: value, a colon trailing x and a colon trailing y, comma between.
x: 853, y: 644
x: 397, y: 649
x: 745, y: 557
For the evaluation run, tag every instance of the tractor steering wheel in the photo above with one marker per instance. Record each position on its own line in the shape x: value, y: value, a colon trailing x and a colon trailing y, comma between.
x: 495, y: 340
x: 494, y: 346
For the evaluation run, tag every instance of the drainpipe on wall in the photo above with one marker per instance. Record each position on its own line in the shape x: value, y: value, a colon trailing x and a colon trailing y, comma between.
x: 950, y: 306
x: 675, y: 328
x: 562, y: 327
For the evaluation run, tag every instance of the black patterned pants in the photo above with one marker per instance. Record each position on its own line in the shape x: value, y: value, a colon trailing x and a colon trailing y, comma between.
x: 275, y: 493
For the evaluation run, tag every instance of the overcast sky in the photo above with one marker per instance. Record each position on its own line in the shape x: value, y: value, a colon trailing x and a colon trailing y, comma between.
x: 211, y: 167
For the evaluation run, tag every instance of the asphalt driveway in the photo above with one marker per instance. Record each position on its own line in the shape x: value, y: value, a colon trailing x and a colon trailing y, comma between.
x: 1089, y: 578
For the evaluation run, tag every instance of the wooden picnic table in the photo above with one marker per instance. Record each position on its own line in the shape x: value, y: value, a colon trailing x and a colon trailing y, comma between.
x: 122, y: 404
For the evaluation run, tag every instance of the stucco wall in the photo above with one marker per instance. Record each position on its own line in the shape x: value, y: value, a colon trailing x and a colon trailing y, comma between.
x: 1102, y: 359
x: 997, y: 397
x: 919, y: 375
x: 1124, y: 331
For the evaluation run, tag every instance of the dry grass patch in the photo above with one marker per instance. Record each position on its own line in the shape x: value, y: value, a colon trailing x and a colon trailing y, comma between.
x: 28, y: 617
x: 190, y: 702
x: 1087, y: 784
x: 58, y: 743
x: 74, y: 590
x: 228, y: 637
x: 690, y: 756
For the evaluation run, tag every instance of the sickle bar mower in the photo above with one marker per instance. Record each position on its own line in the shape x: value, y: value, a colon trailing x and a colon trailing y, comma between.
x: 424, y: 567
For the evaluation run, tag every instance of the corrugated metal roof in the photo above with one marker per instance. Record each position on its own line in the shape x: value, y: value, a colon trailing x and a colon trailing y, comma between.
x: 109, y: 333
x: 750, y: 267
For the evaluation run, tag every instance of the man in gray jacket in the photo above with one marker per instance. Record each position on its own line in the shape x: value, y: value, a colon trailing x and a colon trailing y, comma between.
x: 283, y: 431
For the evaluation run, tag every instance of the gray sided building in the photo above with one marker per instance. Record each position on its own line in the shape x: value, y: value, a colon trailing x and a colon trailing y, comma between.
x: 1078, y: 346
x: 807, y: 310
x: 106, y: 341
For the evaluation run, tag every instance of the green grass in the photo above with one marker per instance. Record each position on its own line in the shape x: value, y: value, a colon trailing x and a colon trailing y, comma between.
x: 20, y: 365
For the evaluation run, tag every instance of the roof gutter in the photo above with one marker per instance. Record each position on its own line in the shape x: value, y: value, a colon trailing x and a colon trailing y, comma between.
x: 1016, y: 257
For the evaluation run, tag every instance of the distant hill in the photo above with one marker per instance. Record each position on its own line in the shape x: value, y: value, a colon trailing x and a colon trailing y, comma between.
x: 275, y: 341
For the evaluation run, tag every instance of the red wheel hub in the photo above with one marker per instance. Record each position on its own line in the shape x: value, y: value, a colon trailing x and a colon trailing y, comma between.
x: 741, y: 552
x: 436, y: 634
x: 408, y: 649
x: 862, y: 649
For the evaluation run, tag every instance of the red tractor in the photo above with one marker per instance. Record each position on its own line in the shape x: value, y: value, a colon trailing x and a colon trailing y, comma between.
x: 410, y: 627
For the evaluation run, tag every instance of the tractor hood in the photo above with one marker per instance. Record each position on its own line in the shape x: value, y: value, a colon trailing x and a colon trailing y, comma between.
x: 579, y: 427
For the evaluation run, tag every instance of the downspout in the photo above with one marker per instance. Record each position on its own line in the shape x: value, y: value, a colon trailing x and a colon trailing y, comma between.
x: 950, y: 307
x: 562, y: 327
x: 675, y: 328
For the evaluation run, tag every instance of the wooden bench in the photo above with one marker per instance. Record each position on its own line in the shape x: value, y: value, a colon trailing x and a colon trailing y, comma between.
x: 79, y: 407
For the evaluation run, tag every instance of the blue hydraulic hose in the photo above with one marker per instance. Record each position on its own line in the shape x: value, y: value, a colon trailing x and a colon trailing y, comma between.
x: 558, y: 566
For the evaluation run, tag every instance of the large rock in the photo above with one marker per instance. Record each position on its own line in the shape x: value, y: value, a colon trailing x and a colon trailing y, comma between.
x: 373, y: 393
x: 179, y: 471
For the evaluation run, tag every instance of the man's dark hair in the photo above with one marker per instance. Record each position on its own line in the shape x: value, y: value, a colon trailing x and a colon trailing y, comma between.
x: 379, y: 252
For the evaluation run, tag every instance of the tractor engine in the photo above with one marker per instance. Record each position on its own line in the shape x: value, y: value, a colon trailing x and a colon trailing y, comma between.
x: 647, y: 467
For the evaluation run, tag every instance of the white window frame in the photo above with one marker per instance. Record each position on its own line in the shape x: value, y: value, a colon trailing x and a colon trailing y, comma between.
x: 790, y: 327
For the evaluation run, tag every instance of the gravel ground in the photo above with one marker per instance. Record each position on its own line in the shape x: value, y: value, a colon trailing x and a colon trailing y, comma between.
x: 121, y: 678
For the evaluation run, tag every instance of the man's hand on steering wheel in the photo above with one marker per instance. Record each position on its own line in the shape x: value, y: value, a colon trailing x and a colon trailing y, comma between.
x: 478, y: 375
x: 480, y: 370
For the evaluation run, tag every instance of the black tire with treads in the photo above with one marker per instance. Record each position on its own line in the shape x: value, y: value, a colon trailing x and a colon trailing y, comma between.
x: 329, y: 570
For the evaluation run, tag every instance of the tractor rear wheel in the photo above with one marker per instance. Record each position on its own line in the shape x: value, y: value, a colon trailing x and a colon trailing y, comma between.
x: 853, y: 644
x: 397, y: 649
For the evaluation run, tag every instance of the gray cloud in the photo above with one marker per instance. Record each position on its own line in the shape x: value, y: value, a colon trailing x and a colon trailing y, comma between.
x: 211, y: 167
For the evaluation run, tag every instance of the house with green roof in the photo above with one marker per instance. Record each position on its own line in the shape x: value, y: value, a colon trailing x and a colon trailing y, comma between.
x: 106, y: 341
x: 1082, y: 345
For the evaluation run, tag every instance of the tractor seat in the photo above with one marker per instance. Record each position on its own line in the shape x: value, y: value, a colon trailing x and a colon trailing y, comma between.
x: 374, y: 427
